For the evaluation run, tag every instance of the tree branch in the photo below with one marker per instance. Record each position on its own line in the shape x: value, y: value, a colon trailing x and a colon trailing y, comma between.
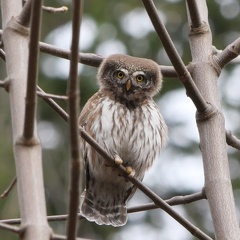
x: 10, y: 228
x: 27, y: 153
x: 232, y: 140
x: 183, y: 74
x: 177, y: 200
x: 62, y: 9
x: 9, y: 188
x: 228, y: 54
x: 194, y: 13
x: 2, y: 55
x: 25, y: 15
x: 61, y: 237
x: 212, y: 134
x: 29, y: 118
x: 54, y: 96
x: 73, y: 103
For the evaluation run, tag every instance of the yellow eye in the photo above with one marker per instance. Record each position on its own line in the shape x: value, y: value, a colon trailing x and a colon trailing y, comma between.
x: 139, y: 78
x: 120, y: 74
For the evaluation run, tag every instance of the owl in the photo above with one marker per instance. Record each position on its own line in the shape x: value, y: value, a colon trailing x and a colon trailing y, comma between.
x: 124, y: 119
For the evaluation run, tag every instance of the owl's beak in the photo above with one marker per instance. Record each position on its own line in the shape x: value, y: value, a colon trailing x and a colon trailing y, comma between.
x: 128, y: 84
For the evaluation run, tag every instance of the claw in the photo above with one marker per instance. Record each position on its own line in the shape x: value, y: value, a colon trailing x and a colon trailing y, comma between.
x: 118, y: 160
x: 130, y: 171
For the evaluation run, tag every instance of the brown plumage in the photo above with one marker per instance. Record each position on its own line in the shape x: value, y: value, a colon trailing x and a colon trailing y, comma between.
x: 123, y: 118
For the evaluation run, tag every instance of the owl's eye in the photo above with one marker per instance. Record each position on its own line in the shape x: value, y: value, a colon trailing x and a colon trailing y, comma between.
x: 139, y: 78
x: 120, y: 74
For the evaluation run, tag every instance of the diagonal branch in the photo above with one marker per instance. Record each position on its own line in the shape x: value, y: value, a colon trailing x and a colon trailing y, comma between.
x: 2, y: 55
x: 183, y: 74
x: 10, y: 187
x: 10, y: 228
x: 73, y: 103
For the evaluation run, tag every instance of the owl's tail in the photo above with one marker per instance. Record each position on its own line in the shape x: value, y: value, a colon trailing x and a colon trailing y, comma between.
x: 102, y: 212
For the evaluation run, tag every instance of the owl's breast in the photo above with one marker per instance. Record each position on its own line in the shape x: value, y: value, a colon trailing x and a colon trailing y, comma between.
x: 137, y: 136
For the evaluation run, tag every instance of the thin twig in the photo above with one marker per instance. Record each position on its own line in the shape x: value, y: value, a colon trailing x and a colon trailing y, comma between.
x: 232, y: 140
x: 54, y: 96
x: 2, y: 55
x: 177, y: 200
x: 29, y: 117
x: 61, y: 237
x: 9, y: 188
x: 54, y: 105
x: 62, y: 9
x: 183, y: 74
x: 73, y: 103
x: 194, y: 13
x: 10, y: 228
x: 2, y: 83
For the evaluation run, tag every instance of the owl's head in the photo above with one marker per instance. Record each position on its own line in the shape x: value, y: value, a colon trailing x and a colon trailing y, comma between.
x: 129, y: 78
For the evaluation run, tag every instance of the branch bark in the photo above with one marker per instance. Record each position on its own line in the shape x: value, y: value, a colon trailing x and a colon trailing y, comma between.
x: 173, y: 55
x: 27, y: 153
x: 73, y: 103
x: 212, y: 132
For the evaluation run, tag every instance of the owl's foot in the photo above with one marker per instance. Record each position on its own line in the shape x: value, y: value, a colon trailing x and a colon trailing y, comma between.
x: 118, y: 160
x: 130, y: 171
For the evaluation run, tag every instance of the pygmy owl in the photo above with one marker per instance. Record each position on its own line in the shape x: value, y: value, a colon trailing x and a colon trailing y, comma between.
x: 124, y: 119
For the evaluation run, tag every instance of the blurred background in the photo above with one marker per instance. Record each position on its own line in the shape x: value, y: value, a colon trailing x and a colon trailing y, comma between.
x: 109, y: 27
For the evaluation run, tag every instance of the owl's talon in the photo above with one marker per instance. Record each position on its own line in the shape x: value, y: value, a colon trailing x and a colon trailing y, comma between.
x: 118, y: 160
x: 130, y: 172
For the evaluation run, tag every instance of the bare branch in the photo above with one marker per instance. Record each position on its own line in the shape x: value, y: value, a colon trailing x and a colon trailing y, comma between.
x: 73, y: 103
x: 54, y: 96
x: 2, y: 83
x: 232, y: 140
x: 9, y: 188
x: 54, y: 105
x: 10, y: 228
x: 27, y: 153
x: 61, y: 237
x: 24, y: 17
x: 85, y: 58
x: 183, y: 74
x: 62, y: 9
x: 212, y: 134
x: 29, y: 118
x: 2, y: 55
x: 228, y: 54
x: 194, y: 13
x: 177, y: 200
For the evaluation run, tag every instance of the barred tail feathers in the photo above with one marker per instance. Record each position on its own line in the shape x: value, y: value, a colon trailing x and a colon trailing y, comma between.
x: 102, y: 212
